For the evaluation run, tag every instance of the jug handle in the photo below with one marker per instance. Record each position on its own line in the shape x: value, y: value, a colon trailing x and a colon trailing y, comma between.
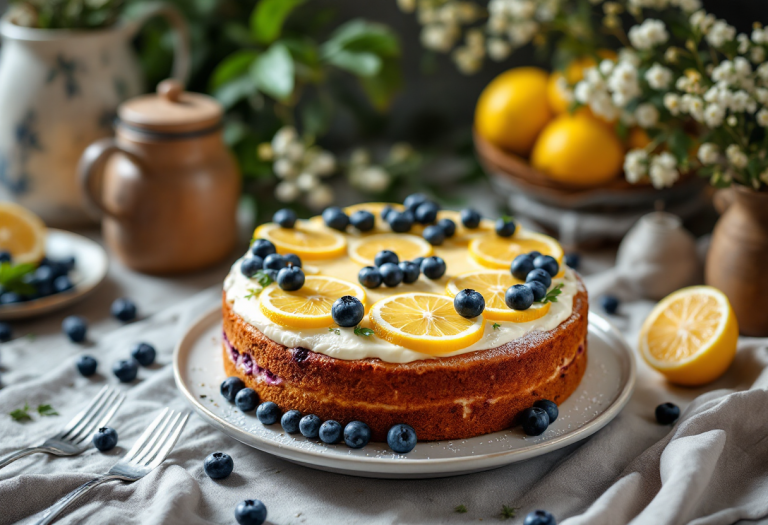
x: 90, y: 169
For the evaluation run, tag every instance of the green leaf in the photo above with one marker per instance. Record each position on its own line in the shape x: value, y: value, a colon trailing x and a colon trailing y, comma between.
x: 382, y: 87
x: 496, y: 326
x: 46, y: 410
x: 362, y: 36
x: 302, y: 50
x: 551, y: 296
x: 461, y: 509
x: 232, y: 67
x: 12, y: 275
x: 263, y: 278
x: 361, y: 64
x: 363, y: 332
x: 21, y: 414
x: 508, y: 512
x: 235, y: 90
x: 268, y: 17
x: 273, y: 72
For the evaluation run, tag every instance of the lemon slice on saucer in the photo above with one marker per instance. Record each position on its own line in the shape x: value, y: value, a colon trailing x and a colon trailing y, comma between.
x: 407, y: 247
x: 308, y: 307
x: 305, y: 240
x: 493, y: 251
x: 424, y: 322
x: 22, y: 233
x: 690, y: 336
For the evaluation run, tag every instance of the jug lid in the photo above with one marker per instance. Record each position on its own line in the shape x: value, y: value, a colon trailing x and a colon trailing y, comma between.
x: 171, y: 110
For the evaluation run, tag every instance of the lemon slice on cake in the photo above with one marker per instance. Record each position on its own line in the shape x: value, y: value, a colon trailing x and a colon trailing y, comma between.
x: 493, y: 251
x: 424, y: 322
x: 22, y: 233
x: 407, y: 247
x: 308, y: 307
x: 305, y: 240
x: 690, y: 336
x: 464, y: 235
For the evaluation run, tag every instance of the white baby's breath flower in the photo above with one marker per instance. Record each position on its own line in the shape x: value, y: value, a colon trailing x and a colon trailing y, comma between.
x: 647, y: 115
x: 360, y: 157
x: 522, y: 8
x: 287, y: 191
x: 285, y: 169
x: 736, y: 156
x: 520, y: 33
x: 606, y: 66
x: 320, y: 198
x: 623, y: 80
x: 739, y: 101
x: 499, y: 8
x: 635, y: 165
x: 663, y: 170
x: 694, y: 106
x: 732, y: 120
x: 475, y: 39
x: 294, y: 151
x: 742, y: 67
x: 439, y: 37
x: 713, y: 115
x: 498, y: 49
x: 583, y: 92
x: 629, y: 56
x: 649, y: 34
x: 702, y: 21
x: 672, y: 103
x: 307, y: 181
x: 758, y: 35
x: 658, y: 76
x: 708, y: 153
x: 284, y: 137
x: 720, y: 33
x: 374, y: 179
x: 688, y: 6
x: 682, y: 84
x: 468, y: 60
x: 497, y: 24
x: 762, y: 117
x: 407, y: 6
x: 323, y: 164
x: 761, y: 94
x: 602, y: 106
x: 757, y: 55
x: 467, y: 12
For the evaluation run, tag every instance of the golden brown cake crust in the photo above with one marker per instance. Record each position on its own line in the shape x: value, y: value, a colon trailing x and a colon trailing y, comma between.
x: 447, y: 398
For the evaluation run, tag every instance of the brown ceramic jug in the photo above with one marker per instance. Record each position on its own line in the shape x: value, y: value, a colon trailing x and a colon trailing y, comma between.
x: 167, y: 185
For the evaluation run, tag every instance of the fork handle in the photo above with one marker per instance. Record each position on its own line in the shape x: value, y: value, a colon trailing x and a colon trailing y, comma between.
x: 53, y: 512
x: 10, y: 458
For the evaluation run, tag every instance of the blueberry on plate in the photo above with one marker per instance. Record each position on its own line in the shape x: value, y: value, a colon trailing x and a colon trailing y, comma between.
x: 105, y: 439
x: 539, y: 517
x: 335, y: 218
x: 550, y: 407
x: 386, y: 256
x: 126, y: 370
x: 538, y: 289
x: 230, y: 387
x: 370, y: 277
x: 505, y: 228
x: 262, y: 248
x: 123, y: 309
x: 363, y: 220
x: 290, y: 421
x: 250, y: 265
x: 357, y: 434
x: 610, y: 304
x: 286, y: 218
x: 535, y: 421
x: 448, y: 227
x: 469, y: 303
x: 268, y: 413
x: 62, y: 283
x: 309, y: 426
x: 417, y: 261
x: 86, y: 365
x: 6, y: 332
x: 218, y: 465
x: 401, y: 438
x: 400, y: 221
x: 347, y: 311
x: 572, y: 260
x: 292, y: 259
x: 414, y: 200
x: 434, y: 235
x: 539, y: 275
x: 470, y: 218
x: 275, y: 262
x: 247, y: 399
x: 5, y: 256
x: 144, y: 353
x: 251, y: 512
x: 519, y: 297
x: 667, y: 413
x: 330, y: 432
x: 426, y: 213
x: 411, y: 272
x: 547, y: 263
x: 290, y: 279
x: 391, y: 274
x: 75, y: 327
x: 521, y: 266
x: 433, y: 267
x: 10, y: 298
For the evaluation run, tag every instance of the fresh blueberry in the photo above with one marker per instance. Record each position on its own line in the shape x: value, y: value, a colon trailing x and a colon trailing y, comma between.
x: 434, y: 235
x: 357, y: 434
x: 521, y: 266
x: 10, y: 298
x: 433, y: 267
x: 44, y: 288
x: 262, y: 248
x: 386, y: 256
x: 126, y: 370
x: 363, y: 220
x: 75, y: 327
x: 86, y: 365
x: 550, y: 407
x: 144, y: 353
x: 330, y: 432
x: 250, y: 512
x: 68, y: 262
x: 370, y: 277
x: 448, y: 227
x: 286, y: 218
x: 469, y: 303
x: 539, y: 275
x: 44, y: 273
x: 547, y: 263
x: 218, y: 465
x: 123, y: 309
x: 400, y: 221
x: 247, y: 399
x: 539, y: 517
x: 535, y: 421
x: 385, y: 213
x: 534, y: 254
x: 610, y: 304
x: 347, y: 311
x: 335, y: 218
x: 391, y: 274
x: 667, y: 413
x: 275, y: 262
x: 250, y: 265
x: 290, y: 421
x: 292, y: 259
x: 62, y: 283
x: 505, y: 228
x: 470, y: 218
x: 230, y: 387
x: 417, y: 261
x: 410, y: 271
x: 572, y: 260
x: 309, y: 426
x: 401, y: 438
x: 426, y: 213
x: 5, y: 332
x: 5, y: 256
x: 290, y: 279
x: 538, y: 289
x: 518, y: 297
x: 268, y: 413
x: 414, y: 200
x: 105, y: 439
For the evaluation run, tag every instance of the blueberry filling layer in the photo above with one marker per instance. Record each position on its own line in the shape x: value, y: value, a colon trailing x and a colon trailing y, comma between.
x: 245, y: 362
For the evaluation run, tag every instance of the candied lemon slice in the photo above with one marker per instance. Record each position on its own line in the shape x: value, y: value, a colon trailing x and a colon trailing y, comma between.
x: 407, y: 247
x: 464, y: 235
x: 493, y: 251
x: 308, y: 307
x: 690, y: 336
x: 424, y: 322
x: 22, y: 233
x: 305, y: 240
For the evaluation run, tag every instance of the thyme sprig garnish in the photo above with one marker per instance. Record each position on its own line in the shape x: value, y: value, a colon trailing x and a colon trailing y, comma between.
x: 551, y: 296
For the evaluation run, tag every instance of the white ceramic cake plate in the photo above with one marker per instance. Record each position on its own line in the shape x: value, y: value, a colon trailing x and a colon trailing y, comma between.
x: 605, y: 389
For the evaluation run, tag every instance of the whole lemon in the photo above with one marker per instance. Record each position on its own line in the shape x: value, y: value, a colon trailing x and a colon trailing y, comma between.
x: 574, y: 73
x: 513, y: 109
x: 578, y: 149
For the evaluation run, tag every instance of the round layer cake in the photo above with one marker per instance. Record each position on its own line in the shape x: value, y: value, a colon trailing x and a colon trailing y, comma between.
x: 347, y: 374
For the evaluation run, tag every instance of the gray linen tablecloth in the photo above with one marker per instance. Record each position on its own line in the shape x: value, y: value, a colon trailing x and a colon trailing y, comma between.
x: 710, y: 468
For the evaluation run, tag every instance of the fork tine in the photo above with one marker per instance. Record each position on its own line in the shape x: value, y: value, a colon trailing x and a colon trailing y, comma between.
x: 82, y: 429
x: 170, y: 442
x: 106, y: 414
x: 87, y: 418
x: 157, y: 437
x: 80, y: 415
x: 145, y: 436
x: 147, y: 457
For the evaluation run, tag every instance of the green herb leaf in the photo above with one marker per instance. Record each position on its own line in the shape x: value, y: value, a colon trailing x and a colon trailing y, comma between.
x: 263, y: 278
x: 335, y: 330
x: 268, y: 17
x: 508, y: 218
x: 273, y: 72
x: 364, y: 332
x: 233, y: 66
x: 235, y: 90
x: 362, y: 64
x: 12, y: 277
x: 496, y: 326
x: 551, y: 296
x: 46, y: 410
x: 508, y: 512
x: 461, y: 509
x: 21, y: 414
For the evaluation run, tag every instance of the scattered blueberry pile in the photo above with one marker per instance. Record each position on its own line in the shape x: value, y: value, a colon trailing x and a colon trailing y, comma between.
x: 391, y: 272
x: 264, y: 260
x: 537, y: 270
x: 27, y: 282
x: 536, y: 419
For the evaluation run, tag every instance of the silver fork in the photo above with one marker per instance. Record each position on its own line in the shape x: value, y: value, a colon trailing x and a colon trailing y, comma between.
x: 148, y: 452
x: 75, y: 436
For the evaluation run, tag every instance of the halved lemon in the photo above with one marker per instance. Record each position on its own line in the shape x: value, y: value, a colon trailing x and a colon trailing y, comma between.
x: 22, y: 233
x: 305, y: 240
x: 464, y: 235
x: 493, y: 251
x: 690, y: 336
x: 424, y: 322
x: 407, y: 247
x: 308, y: 307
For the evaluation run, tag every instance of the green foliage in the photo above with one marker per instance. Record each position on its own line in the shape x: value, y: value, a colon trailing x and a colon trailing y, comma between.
x: 12, y: 277
x: 65, y: 14
x: 551, y: 296
x: 461, y: 509
x: 46, y: 410
x: 21, y: 414
x: 363, y: 332
x: 273, y: 72
x: 268, y: 18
